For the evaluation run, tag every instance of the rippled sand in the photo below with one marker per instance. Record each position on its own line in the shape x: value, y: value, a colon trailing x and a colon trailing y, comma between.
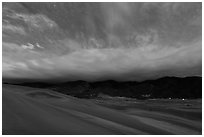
x: 40, y: 111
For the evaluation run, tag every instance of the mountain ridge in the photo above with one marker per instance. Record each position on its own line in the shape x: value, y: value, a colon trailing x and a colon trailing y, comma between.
x: 165, y: 87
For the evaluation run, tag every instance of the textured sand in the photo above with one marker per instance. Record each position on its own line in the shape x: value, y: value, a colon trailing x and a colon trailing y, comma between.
x: 40, y: 111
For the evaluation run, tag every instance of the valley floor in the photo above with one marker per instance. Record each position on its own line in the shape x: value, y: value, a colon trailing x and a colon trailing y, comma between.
x: 34, y: 111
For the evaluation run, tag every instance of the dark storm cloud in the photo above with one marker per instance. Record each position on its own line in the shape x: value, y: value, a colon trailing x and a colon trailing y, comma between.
x: 93, y: 41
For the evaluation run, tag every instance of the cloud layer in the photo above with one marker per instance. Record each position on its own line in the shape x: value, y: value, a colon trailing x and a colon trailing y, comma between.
x: 98, y: 41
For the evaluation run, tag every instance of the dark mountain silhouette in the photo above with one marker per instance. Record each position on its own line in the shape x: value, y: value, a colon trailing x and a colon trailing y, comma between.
x: 166, y: 87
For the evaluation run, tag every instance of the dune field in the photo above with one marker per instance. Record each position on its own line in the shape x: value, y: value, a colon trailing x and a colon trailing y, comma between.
x: 35, y: 111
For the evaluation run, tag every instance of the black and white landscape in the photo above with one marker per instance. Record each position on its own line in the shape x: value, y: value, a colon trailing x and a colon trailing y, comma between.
x: 102, y: 68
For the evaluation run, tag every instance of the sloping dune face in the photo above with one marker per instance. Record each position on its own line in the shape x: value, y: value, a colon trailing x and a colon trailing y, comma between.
x: 40, y: 111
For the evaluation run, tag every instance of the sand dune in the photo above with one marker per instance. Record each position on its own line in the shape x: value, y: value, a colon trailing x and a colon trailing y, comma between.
x: 39, y: 111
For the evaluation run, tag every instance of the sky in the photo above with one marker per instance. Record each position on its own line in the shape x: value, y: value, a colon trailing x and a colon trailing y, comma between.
x: 101, y: 41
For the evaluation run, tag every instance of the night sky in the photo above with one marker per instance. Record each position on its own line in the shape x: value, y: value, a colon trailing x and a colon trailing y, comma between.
x: 101, y: 41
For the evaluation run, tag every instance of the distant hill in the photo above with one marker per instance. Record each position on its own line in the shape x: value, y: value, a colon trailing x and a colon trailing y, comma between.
x: 166, y: 87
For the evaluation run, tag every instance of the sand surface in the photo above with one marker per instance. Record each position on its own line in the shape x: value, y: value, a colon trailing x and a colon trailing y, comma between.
x: 34, y: 111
